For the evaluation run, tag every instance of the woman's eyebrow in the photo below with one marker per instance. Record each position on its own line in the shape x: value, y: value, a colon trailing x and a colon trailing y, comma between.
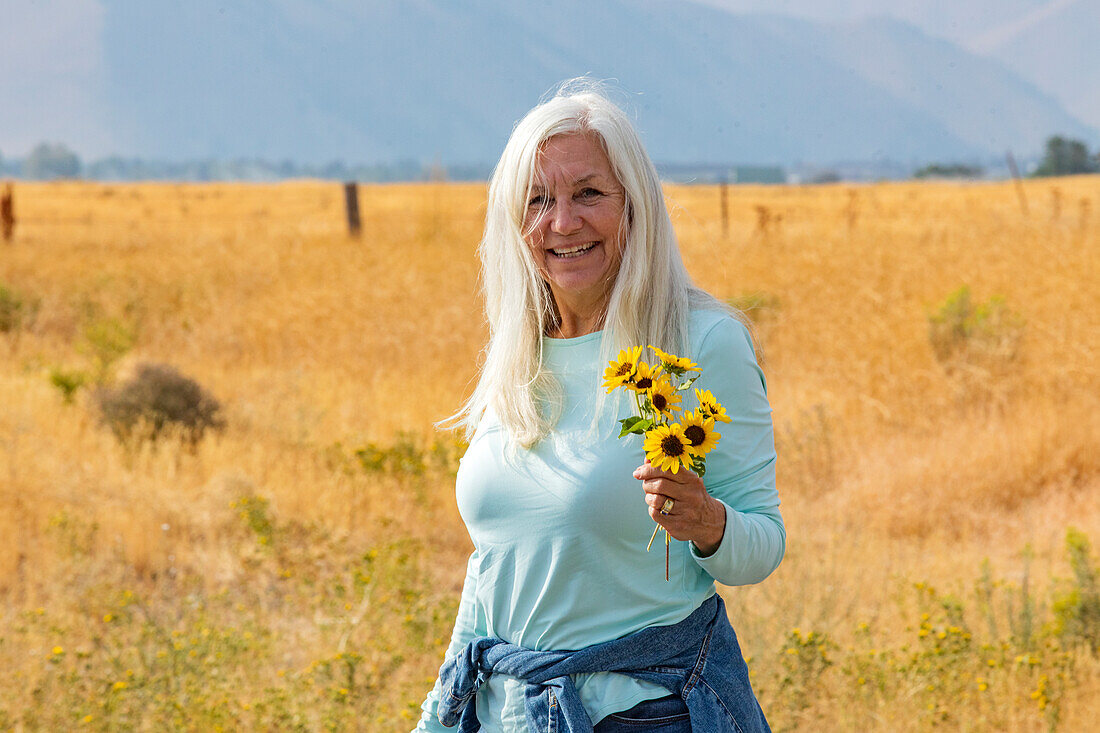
x: 591, y: 177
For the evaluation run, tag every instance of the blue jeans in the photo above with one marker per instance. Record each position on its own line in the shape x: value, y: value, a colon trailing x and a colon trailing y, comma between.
x: 698, y: 660
x: 663, y: 715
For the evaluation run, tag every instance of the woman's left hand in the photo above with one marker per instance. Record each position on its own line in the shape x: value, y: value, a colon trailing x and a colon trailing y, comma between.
x: 696, y: 516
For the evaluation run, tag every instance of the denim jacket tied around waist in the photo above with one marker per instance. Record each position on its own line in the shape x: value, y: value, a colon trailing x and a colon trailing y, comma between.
x: 698, y: 659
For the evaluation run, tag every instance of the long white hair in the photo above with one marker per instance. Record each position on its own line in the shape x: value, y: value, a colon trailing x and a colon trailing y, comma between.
x: 651, y: 296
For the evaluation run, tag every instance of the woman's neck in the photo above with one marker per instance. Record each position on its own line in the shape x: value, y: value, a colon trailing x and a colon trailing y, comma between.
x: 578, y: 318
x: 571, y: 325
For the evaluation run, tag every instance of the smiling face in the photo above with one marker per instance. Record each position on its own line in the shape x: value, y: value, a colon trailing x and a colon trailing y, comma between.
x: 574, y: 224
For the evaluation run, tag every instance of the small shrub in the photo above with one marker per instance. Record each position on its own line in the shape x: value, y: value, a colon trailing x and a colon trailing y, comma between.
x: 255, y: 511
x: 974, y: 341
x: 804, y: 660
x: 68, y: 382
x: 409, y: 455
x: 964, y: 330
x: 1077, y: 610
x: 403, y: 456
x: 155, y: 399
x: 16, y: 311
x: 107, y: 340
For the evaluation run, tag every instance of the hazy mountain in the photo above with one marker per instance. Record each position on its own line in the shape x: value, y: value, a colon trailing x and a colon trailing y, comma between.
x: 957, y: 20
x: 1051, y: 43
x: 1056, y: 47
x: 384, y: 80
x: 975, y: 99
x: 51, y: 74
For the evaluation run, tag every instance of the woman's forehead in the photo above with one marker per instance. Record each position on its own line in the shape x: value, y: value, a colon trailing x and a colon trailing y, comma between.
x: 571, y: 158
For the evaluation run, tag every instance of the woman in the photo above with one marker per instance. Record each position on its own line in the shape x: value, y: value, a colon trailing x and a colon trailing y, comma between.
x: 564, y: 615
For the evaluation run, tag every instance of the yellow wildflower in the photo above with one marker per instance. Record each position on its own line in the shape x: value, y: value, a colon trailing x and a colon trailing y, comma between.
x: 677, y: 365
x: 644, y: 377
x: 710, y: 406
x: 699, y: 430
x: 662, y: 395
x: 621, y: 371
x: 666, y: 447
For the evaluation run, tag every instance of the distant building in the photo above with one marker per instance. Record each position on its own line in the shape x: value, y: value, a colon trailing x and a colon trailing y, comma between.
x: 714, y: 173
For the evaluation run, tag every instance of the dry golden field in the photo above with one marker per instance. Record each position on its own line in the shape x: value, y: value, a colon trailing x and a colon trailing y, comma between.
x: 300, y: 569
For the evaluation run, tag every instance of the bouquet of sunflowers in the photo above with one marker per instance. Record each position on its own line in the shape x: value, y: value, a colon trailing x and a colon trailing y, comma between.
x: 657, y: 396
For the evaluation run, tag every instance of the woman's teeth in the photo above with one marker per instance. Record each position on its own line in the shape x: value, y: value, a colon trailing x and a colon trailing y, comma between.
x: 577, y: 251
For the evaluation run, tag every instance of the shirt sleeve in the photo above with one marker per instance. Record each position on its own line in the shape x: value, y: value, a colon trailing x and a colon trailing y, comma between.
x: 741, y: 468
x: 464, y: 631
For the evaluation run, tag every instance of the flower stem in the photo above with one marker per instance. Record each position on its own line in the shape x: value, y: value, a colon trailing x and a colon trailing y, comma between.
x: 666, y: 555
x: 653, y: 537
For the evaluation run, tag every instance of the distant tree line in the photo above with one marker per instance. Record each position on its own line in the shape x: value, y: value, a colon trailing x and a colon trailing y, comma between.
x: 1065, y: 157
x: 55, y: 161
x: 949, y: 170
x: 1062, y: 157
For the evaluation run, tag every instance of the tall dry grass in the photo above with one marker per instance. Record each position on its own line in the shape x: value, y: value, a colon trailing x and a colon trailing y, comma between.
x: 301, y: 569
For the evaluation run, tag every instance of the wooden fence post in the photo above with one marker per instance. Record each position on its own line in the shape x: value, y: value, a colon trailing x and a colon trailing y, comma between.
x: 351, y: 204
x: 725, y: 206
x: 7, y: 212
x: 1019, y: 184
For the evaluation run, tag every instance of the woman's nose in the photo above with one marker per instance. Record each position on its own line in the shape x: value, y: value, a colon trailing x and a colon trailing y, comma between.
x: 564, y: 217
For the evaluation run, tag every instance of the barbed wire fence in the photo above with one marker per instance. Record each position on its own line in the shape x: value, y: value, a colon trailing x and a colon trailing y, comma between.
x: 352, y: 208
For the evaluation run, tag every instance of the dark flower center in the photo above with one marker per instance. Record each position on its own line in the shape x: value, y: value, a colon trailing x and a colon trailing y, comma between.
x: 660, y: 402
x: 645, y: 383
x: 624, y: 369
x: 695, y: 435
x: 672, y: 446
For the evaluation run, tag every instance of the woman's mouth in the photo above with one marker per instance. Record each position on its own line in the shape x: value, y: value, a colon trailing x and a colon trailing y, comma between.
x: 576, y: 251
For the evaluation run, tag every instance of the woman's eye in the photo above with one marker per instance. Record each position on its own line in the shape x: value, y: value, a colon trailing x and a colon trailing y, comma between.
x: 589, y: 194
x: 536, y: 202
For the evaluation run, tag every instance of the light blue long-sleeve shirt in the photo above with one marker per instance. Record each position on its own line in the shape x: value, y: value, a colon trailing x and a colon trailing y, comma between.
x: 559, y: 530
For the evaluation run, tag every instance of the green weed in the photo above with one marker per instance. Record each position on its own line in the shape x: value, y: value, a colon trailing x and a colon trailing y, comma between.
x: 963, y: 330
x: 1077, y: 608
x: 17, y: 311
x: 68, y: 381
x: 105, y: 341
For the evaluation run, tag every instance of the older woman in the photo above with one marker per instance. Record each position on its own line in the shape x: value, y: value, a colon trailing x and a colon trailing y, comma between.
x: 565, y: 621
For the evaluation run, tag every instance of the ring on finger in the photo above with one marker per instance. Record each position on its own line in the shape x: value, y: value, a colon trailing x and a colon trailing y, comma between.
x: 667, y: 506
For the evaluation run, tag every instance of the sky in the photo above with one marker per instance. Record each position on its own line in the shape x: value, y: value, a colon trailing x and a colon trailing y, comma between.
x: 53, y: 73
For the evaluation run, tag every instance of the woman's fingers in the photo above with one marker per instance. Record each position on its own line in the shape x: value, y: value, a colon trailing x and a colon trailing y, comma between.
x: 693, y: 515
x: 681, y: 485
x: 658, y: 501
x: 649, y: 471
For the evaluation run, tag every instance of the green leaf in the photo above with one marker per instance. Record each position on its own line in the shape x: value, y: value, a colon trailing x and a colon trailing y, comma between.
x: 628, y: 424
x: 699, y: 465
x: 635, y: 425
x: 687, y: 385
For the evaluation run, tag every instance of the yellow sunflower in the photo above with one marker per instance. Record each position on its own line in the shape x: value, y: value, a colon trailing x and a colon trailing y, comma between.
x: 663, y: 396
x: 699, y: 431
x: 621, y: 371
x: 677, y: 365
x: 644, y: 377
x: 666, y: 447
x: 710, y: 406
